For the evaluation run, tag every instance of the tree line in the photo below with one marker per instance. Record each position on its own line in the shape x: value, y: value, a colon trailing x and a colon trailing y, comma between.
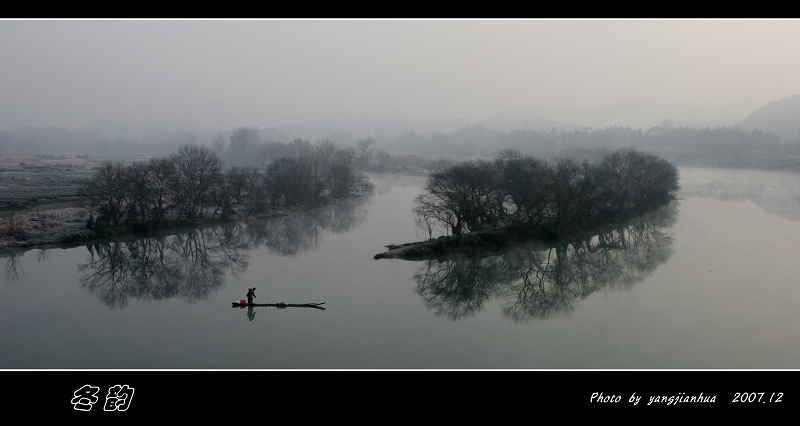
x: 254, y: 147
x: 532, y: 197
x: 720, y: 146
x: 191, y: 184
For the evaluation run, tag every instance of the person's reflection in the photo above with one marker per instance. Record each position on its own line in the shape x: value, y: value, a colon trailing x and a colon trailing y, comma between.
x: 251, y: 313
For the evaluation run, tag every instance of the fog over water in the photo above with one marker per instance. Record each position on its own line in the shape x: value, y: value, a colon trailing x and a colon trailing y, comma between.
x: 775, y: 192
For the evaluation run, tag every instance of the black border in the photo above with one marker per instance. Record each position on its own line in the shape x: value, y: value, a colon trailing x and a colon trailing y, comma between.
x: 316, y: 395
x: 453, y: 395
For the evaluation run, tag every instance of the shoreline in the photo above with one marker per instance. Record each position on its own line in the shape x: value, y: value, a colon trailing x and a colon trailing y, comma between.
x: 475, y: 242
x: 74, y: 235
x: 493, y: 240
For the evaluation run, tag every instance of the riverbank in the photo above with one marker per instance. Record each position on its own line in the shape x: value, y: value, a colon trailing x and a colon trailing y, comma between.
x: 64, y: 229
x: 54, y: 200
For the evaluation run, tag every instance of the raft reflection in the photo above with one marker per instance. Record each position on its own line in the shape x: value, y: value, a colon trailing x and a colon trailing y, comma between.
x: 539, y: 282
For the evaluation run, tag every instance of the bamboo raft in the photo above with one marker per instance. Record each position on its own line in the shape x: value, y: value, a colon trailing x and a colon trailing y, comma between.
x: 281, y: 305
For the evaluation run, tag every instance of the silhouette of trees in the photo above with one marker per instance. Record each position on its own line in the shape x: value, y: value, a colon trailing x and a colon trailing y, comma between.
x: 316, y: 173
x: 463, y: 197
x: 190, y: 184
x: 243, y: 142
x: 108, y: 191
x: 525, y: 192
x: 531, y: 196
x: 365, y: 148
x: 197, y: 171
x: 344, y: 175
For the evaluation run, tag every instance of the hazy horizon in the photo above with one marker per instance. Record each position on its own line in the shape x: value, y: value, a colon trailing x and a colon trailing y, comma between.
x: 219, y: 74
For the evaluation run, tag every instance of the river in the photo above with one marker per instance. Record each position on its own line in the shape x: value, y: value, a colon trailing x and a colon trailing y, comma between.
x: 708, y: 282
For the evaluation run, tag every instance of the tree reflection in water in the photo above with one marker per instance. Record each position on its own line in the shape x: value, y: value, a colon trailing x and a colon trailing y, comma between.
x: 193, y: 264
x: 13, y: 270
x: 539, y: 282
x: 189, y: 265
x: 301, y: 232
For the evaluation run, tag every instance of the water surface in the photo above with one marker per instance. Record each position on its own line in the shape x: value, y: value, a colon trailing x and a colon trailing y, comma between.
x: 708, y: 282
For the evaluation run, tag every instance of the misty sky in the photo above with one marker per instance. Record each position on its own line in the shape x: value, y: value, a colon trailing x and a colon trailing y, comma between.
x: 225, y: 74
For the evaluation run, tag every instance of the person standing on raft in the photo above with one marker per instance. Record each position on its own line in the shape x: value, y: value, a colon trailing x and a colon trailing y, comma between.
x: 251, y: 294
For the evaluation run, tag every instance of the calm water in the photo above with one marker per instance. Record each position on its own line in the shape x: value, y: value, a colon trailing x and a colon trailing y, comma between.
x: 708, y: 282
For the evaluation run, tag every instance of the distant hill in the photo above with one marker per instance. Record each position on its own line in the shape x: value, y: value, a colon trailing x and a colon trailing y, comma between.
x: 781, y: 117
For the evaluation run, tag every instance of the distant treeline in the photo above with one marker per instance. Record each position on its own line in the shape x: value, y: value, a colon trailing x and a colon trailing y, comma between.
x: 190, y: 184
x: 721, y: 146
x: 254, y: 147
x: 251, y: 147
x: 531, y: 197
x: 480, y: 141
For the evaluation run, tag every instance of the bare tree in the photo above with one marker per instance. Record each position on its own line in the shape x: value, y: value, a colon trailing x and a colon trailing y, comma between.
x: 139, y: 191
x: 284, y: 181
x: 324, y: 152
x: 197, y: 171
x: 365, y: 148
x: 310, y: 173
x: 524, y: 181
x: 345, y: 175
x: 243, y: 143
x: 107, y: 191
x: 161, y: 176
x: 554, y: 199
x: 464, y: 197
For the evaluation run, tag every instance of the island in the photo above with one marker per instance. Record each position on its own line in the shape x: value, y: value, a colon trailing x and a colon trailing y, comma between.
x: 484, y: 205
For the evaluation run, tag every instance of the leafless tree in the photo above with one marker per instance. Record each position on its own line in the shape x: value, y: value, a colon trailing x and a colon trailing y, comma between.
x: 243, y: 143
x: 197, y: 171
x: 464, y: 197
x: 284, y: 182
x: 524, y: 181
x: 365, y: 148
x: 345, y: 175
x: 550, y: 199
x: 107, y: 191
x: 162, y: 173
